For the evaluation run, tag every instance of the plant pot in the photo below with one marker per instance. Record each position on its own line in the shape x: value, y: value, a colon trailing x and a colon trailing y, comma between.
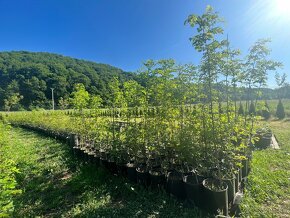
x: 264, y: 140
x: 174, y: 185
x: 231, y: 183
x: 91, y: 156
x: 142, y: 175
x: 131, y: 172
x: 122, y: 168
x: 112, y: 166
x: 97, y: 160
x: 77, y: 152
x: 157, y: 178
x: 216, y: 193
x: 245, y: 164
x: 193, y: 190
x: 73, y: 140
x: 237, y: 181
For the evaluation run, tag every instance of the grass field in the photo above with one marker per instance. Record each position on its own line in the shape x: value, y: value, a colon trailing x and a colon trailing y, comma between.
x: 54, y: 184
x: 268, y: 189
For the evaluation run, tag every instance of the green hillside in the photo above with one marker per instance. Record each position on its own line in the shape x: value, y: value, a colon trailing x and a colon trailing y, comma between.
x: 31, y: 75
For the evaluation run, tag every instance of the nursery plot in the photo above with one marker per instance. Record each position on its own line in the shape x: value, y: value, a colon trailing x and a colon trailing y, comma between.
x: 55, y: 184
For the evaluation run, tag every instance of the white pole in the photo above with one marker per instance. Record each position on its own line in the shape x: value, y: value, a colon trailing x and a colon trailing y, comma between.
x: 52, y: 98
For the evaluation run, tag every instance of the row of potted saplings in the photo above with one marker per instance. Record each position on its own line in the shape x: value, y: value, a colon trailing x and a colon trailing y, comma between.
x: 179, y: 180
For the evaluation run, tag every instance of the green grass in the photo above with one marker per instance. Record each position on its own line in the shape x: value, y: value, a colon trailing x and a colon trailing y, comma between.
x: 268, y: 188
x: 55, y: 184
x: 8, y: 171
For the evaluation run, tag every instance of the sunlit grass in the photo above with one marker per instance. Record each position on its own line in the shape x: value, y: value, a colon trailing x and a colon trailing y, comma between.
x: 268, y: 188
x: 55, y: 184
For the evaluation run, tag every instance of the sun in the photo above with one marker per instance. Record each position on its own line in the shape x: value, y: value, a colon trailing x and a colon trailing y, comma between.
x: 281, y: 8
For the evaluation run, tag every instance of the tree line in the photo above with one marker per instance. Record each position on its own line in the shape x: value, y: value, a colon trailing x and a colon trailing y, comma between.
x: 26, y: 78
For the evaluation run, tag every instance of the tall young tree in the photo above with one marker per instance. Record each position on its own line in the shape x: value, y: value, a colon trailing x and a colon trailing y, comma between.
x: 257, y: 66
x: 281, y: 82
x: 206, y: 41
x: 80, y: 97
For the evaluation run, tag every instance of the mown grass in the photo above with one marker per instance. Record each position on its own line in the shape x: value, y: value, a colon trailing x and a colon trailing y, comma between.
x: 8, y: 171
x: 55, y: 184
x: 268, y: 187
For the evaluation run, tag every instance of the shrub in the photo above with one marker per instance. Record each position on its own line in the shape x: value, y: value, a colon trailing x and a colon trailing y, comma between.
x: 280, y: 112
x: 241, y: 110
x: 266, y: 111
x: 252, y: 109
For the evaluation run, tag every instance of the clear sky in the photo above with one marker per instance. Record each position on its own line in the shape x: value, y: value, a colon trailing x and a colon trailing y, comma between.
x: 125, y: 33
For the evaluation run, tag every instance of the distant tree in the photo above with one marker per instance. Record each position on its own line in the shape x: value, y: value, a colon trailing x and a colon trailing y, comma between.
x: 266, y: 111
x: 281, y: 82
x: 80, y: 97
x: 118, y: 100
x: 63, y: 103
x: 12, y: 101
x: 241, y: 110
x: 32, y: 75
x: 95, y: 101
x: 280, y: 112
x: 252, y: 109
x: 257, y: 65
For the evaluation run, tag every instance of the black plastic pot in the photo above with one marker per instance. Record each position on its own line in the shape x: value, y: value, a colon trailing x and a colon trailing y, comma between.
x: 216, y: 194
x: 131, y: 172
x: 97, y: 159
x: 122, y: 168
x: 112, y: 166
x: 86, y: 152
x: 264, y: 141
x: 91, y: 157
x: 193, y: 190
x: 175, y: 185
x: 103, y: 158
x: 237, y: 181
x: 157, y: 178
x: 77, y: 151
x: 245, y: 164
x: 142, y: 175
x: 73, y: 140
x: 231, y: 188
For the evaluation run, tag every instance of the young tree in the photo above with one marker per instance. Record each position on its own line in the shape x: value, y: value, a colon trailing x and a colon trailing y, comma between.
x: 280, y: 112
x: 12, y: 101
x: 281, y: 81
x: 206, y: 42
x: 266, y: 111
x: 241, y: 110
x: 63, y: 103
x: 80, y: 97
x: 95, y: 102
x: 257, y: 65
x: 118, y: 100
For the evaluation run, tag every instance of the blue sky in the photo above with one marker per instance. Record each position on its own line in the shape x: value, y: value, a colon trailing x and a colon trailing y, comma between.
x: 125, y: 33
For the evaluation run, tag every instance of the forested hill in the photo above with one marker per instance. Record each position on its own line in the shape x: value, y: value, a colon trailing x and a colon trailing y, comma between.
x: 33, y: 74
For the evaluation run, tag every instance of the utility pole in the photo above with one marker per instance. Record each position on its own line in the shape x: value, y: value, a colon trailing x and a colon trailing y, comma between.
x: 52, y: 98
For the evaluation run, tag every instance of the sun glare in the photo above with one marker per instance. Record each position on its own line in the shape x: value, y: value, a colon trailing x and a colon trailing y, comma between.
x: 282, y: 9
